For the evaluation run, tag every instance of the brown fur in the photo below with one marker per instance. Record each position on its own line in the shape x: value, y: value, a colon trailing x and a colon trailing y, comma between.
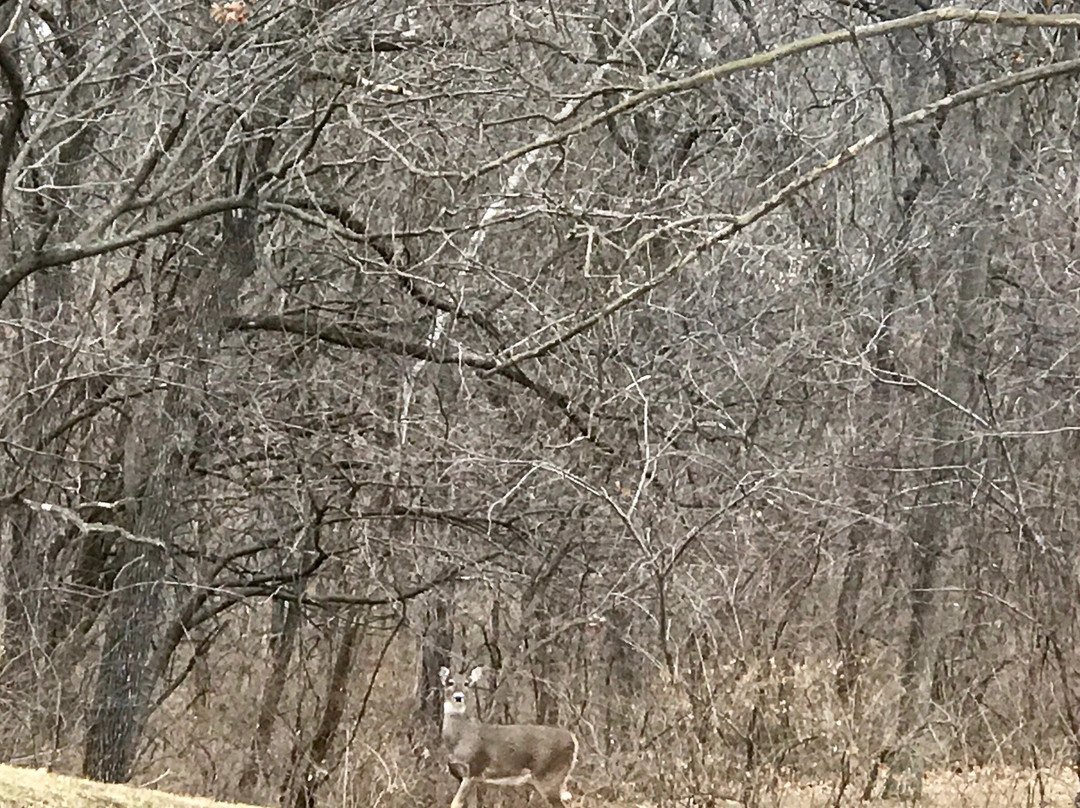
x: 504, y: 754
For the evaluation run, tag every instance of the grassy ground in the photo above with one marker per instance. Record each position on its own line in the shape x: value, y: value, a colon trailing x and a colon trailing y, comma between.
x: 997, y: 787
x: 30, y: 788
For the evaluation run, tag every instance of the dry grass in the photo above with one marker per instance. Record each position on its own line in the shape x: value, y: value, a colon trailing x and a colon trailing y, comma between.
x: 31, y: 788
x: 997, y: 787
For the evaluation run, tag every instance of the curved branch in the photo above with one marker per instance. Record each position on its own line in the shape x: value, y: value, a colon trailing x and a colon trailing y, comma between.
x: 767, y: 206
x: 451, y: 354
x: 12, y: 122
x: 773, y: 55
x: 77, y: 250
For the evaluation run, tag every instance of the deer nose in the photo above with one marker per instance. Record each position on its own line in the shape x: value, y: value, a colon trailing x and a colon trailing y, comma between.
x: 459, y: 697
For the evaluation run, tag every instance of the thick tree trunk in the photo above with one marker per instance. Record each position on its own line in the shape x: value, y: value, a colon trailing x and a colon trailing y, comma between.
x: 122, y: 694
x: 121, y: 700
x: 847, y: 606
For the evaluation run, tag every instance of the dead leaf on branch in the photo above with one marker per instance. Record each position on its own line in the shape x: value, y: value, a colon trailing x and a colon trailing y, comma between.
x: 237, y: 11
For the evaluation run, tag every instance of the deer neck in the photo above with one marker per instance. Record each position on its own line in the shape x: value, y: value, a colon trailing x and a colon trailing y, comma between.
x: 455, y: 722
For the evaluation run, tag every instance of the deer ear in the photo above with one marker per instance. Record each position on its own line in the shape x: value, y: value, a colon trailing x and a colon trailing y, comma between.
x: 476, y: 675
x: 444, y: 674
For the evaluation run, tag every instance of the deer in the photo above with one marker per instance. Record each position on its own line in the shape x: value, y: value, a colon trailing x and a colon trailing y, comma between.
x: 502, y: 754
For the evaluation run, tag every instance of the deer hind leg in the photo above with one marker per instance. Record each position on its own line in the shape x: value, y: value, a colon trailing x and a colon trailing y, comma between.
x: 553, y: 789
x: 462, y: 793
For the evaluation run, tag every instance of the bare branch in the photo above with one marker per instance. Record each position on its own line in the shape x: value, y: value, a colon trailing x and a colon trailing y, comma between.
x: 804, y: 180
x: 147, y: 167
x: 452, y: 354
x: 759, y: 60
x: 70, y: 516
x: 75, y: 251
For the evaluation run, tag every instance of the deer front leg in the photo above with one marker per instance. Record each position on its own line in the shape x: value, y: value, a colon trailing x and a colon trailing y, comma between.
x: 462, y: 793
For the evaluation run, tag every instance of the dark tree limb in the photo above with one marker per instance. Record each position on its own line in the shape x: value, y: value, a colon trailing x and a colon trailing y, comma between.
x: 453, y: 354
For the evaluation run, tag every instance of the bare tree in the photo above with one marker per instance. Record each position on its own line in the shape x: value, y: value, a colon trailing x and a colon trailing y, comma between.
x: 714, y: 351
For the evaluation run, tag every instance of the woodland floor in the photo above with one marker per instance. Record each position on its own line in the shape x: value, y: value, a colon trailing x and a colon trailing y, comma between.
x: 982, y: 788
x: 996, y: 787
x: 33, y: 788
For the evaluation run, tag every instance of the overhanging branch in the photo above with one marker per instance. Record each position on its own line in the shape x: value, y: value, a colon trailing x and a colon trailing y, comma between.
x: 766, y: 58
x: 804, y: 180
x: 77, y: 250
x: 451, y: 354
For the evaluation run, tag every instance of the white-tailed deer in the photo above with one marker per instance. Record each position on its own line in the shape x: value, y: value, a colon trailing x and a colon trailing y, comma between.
x: 502, y: 754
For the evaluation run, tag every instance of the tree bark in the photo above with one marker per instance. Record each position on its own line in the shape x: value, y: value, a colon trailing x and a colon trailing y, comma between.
x: 121, y: 699
x: 435, y: 653
x: 847, y: 605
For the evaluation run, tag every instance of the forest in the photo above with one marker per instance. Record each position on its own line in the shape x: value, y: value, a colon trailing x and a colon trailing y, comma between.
x: 706, y: 371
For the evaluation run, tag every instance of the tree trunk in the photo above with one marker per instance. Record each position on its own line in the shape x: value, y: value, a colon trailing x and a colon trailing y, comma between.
x: 313, y: 773
x: 847, y: 605
x: 434, y: 654
x: 271, y: 697
x: 938, y: 518
x: 121, y: 697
